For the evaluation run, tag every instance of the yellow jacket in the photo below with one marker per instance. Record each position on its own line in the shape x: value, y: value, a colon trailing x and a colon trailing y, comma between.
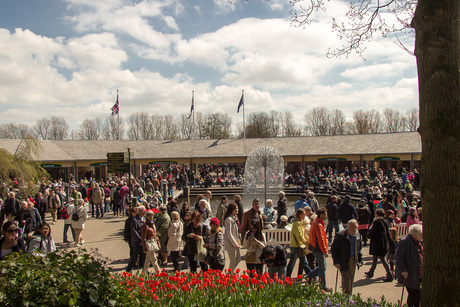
x: 298, y: 234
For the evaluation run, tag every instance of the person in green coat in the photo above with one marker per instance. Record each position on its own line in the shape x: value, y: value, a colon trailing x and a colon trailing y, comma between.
x: 162, y: 224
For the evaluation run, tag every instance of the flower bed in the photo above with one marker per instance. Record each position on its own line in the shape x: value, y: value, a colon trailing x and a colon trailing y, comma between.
x: 215, y: 288
x: 82, y: 279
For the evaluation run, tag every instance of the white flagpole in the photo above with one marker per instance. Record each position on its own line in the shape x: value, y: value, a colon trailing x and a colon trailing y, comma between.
x: 244, y: 124
x: 193, y: 122
x: 118, y: 113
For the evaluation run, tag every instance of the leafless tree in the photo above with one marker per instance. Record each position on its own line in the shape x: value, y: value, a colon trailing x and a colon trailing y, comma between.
x: 365, y: 19
x: 393, y: 119
x: 337, y: 122
x: 42, y: 128
x: 14, y: 131
x: 200, y: 123
x: 90, y: 129
x: 171, y: 130
x: 317, y: 121
x: 185, y: 127
x: 109, y: 130
x: 366, y: 122
x: 262, y: 125
x: 53, y: 128
x: 59, y: 128
x: 289, y: 126
x: 217, y: 126
x: 412, y: 117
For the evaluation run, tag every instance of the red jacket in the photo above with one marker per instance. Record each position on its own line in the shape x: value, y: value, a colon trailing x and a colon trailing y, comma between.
x: 317, y: 233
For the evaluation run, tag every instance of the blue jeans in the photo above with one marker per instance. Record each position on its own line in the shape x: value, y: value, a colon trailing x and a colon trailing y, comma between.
x: 99, y: 210
x: 321, y: 261
x: 66, y: 229
x: 280, y: 270
x: 257, y: 267
x: 330, y: 225
x: 137, y: 252
x: 303, y: 263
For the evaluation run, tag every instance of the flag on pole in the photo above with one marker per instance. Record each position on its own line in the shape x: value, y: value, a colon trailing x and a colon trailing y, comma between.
x: 191, y: 109
x: 116, y: 107
x: 241, y: 103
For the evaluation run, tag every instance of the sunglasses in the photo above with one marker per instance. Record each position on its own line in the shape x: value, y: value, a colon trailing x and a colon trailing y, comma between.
x: 13, y: 230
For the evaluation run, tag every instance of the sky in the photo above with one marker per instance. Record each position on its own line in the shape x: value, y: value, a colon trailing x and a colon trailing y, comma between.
x: 69, y: 57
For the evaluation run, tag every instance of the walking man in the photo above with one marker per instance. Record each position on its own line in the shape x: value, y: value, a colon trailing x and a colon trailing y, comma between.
x: 136, y: 239
x: 318, y: 245
x: 346, y: 254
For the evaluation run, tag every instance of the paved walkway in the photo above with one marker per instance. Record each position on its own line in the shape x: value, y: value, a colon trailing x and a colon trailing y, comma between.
x: 106, y: 235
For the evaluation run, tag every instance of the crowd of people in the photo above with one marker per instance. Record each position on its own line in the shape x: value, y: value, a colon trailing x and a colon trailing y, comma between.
x: 159, y: 232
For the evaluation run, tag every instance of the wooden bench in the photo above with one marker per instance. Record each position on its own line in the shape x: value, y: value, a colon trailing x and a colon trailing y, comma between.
x: 280, y: 236
x: 402, y: 229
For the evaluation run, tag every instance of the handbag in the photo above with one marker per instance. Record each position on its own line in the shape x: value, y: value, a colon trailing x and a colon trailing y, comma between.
x: 152, y: 245
x: 251, y: 257
x: 201, y: 251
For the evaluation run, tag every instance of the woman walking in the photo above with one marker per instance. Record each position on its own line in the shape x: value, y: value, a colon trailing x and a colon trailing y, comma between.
x: 175, y: 231
x: 254, y: 241
x: 215, y: 254
x: 79, y: 218
x: 194, y: 233
x: 379, y: 244
x: 232, y: 240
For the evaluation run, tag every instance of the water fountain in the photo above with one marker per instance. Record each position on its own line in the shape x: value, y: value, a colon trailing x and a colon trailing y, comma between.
x: 263, y: 173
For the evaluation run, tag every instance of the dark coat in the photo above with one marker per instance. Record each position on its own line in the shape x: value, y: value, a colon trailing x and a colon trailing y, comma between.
x: 407, y: 259
x: 340, y: 249
x: 191, y: 243
x: 348, y: 212
x: 280, y: 257
x: 136, y: 230
x: 332, y: 210
x: 127, y: 230
x: 11, y: 206
x: 19, y: 248
x: 380, y: 238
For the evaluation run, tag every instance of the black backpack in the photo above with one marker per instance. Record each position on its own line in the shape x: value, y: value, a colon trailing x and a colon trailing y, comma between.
x: 75, y: 216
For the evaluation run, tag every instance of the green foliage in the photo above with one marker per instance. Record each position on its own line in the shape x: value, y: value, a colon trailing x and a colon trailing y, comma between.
x: 20, y: 165
x: 82, y: 279
x: 74, y: 279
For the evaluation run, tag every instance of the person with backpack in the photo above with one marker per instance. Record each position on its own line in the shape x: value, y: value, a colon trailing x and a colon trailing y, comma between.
x: 68, y: 221
x: 53, y: 204
x: 79, y: 218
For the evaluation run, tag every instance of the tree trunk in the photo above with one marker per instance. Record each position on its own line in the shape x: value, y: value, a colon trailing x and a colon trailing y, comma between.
x: 437, y: 48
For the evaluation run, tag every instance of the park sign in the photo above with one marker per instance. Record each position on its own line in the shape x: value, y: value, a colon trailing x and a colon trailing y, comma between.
x: 118, y: 162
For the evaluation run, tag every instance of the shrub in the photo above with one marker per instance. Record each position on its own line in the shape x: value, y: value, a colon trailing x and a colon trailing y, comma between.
x: 61, y: 278
x: 83, y: 279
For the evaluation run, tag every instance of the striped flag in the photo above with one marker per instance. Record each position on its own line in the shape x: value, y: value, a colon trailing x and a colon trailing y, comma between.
x: 191, y: 109
x: 241, y: 103
x: 116, y: 107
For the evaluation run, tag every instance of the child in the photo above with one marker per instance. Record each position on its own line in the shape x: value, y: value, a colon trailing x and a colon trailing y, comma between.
x: 269, y: 211
x: 391, y: 251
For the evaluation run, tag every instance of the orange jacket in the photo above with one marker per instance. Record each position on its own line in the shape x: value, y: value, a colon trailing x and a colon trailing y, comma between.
x: 318, y: 234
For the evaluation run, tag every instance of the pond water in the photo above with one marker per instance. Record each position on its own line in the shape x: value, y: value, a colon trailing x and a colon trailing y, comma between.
x: 247, y: 202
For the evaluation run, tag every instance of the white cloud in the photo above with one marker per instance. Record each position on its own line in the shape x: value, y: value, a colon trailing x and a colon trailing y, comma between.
x: 376, y: 71
x: 280, y: 67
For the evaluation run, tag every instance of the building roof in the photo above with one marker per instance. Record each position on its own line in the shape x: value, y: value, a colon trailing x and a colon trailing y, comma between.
x: 356, y: 144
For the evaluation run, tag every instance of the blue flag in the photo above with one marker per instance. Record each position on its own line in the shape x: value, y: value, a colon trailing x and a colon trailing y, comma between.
x: 241, y: 103
x: 191, y: 109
